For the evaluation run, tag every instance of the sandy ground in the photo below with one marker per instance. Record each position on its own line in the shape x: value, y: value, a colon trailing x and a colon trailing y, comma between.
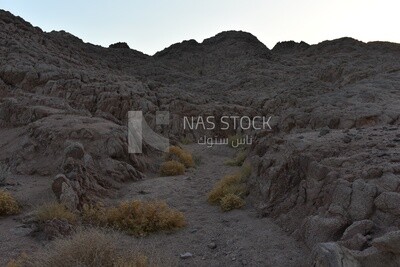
x: 240, y: 236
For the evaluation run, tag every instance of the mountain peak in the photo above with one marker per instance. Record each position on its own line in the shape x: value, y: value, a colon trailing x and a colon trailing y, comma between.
x: 227, y: 43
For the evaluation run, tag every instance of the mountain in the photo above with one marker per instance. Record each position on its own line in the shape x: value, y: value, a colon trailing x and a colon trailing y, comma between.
x: 328, y: 172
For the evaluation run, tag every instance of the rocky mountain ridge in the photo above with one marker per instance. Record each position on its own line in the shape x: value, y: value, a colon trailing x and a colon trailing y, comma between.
x: 331, y: 162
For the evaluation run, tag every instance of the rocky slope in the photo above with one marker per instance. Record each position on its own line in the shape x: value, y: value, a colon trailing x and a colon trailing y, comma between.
x: 331, y: 164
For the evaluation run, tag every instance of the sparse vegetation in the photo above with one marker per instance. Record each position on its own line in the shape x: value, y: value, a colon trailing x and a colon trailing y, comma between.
x: 136, y: 217
x: 229, y: 185
x: 92, y: 248
x: 8, y: 204
x: 178, y: 154
x: 172, y: 168
x: 238, y: 160
x: 55, y: 210
x: 231, y: 201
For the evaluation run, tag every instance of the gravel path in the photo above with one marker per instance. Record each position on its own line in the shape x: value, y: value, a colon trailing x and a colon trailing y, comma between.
x: 215, y: 238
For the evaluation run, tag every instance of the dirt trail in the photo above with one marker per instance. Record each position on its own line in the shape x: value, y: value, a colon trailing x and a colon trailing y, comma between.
x: 240, y: 236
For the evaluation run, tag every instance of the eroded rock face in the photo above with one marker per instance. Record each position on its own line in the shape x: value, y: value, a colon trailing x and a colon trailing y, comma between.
x: 344, y: 192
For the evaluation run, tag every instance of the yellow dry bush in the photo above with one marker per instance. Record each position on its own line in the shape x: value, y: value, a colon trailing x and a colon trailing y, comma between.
x: 93, y: 248
x: 136, y: 217
x: 8, y: 204
x: 178, y: 154
x: 94, y: 215
x: 55, y: 210
x: 231, y: 201
x: 230, y: 184
x: 172, y: 168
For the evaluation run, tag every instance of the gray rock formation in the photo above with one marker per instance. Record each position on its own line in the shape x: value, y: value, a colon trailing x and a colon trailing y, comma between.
x: 64, y: 104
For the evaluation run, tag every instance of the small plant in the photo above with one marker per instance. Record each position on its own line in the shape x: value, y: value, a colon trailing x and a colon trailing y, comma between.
x: 8, y: 204
x: 230, y: 184
x: 136, y: 217
x: 55, y: 210
x: 172, y: 168
x: 231, y: 201
x: 238, y: 160
x: 230, y: 190
x: 93, y: 248
x: 178, y: 154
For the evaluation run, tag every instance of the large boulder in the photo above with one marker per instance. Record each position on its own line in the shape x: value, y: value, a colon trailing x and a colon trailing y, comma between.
x: 319, y: 229
x: 65, y: 192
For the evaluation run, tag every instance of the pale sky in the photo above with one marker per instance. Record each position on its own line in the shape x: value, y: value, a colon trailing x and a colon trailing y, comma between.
x: 150, y: 26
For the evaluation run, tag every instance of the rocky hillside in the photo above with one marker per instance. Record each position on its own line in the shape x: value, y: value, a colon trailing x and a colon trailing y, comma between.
x: 329, y: 172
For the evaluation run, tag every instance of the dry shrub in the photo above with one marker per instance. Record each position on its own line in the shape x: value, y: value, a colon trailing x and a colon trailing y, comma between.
x: 94, y: 215
x: 55, y: 210
x: 231, y: 201
x: 229, y: 186
x: 136, y: 217
x: 172, y: 168
x: 238, y: 160
x: 178, y: 154
x: 8, y: 204
x: 93, y: 248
